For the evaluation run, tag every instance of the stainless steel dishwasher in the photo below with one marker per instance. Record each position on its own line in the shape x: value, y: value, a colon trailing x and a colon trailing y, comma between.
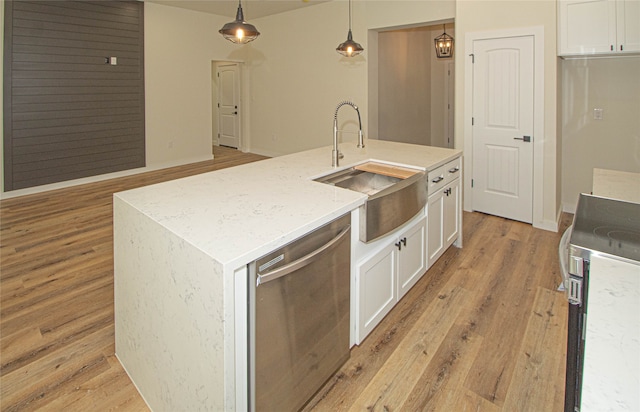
x: 299, y: 317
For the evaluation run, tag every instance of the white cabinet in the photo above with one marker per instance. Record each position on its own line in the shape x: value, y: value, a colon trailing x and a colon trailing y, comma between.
x: 592, y: 27
x: 443, y: 210
x: 412, y: 259
x: 384, y: 277
x: 628, y: 28
x: 387, y: 268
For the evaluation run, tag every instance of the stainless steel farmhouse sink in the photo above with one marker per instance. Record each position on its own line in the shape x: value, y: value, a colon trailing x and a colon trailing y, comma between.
x: 395, y: 195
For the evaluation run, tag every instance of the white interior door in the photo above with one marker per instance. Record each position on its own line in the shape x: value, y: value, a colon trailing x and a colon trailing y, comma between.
x: 229, y: 105
x: 503, y: 92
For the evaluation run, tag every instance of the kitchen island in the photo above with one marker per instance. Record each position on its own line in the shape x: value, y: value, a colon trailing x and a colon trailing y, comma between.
x: 181, y: 250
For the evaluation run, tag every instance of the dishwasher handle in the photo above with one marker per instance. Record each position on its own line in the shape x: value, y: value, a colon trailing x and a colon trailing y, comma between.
x: 303, y: 261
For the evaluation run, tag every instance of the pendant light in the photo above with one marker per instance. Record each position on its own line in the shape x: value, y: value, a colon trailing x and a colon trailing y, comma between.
x: 349, y: 48
x: 444, y: 45
x: 239, y: 31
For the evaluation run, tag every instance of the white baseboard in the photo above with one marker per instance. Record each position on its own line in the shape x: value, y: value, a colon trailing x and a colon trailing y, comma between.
x: 99, y: 178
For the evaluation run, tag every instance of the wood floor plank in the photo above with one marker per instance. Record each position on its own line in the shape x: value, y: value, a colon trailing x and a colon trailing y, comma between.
x: 56, y: 315
x: 108, y: 387
x: 36, y: 384
x: 490, y: 375
x: 388, y: 389
x: 530, y: 383
x: 471, y: 402
x: 444, y: 376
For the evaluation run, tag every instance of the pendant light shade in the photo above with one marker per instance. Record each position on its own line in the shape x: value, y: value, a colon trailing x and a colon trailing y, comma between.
x: 239, y: 31
x: 444, y: 45
x: 349, y: 48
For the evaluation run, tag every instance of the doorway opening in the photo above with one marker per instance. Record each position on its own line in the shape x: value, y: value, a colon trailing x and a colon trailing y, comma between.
x: 226, y: 116
x: 411, y: 90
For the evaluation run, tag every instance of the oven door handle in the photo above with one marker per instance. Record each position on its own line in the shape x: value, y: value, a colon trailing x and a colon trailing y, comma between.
x: 303, y: 261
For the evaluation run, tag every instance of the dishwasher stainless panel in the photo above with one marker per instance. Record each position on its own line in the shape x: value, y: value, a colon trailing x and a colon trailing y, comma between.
x: 299, y: 317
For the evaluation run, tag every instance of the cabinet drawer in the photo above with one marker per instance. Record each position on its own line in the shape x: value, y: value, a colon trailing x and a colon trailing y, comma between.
x: 453, y: 169
x: 436, y: 179
x: 444, y: 174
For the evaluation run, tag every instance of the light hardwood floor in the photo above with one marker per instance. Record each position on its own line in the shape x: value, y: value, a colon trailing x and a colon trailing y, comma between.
x: 484, y: 330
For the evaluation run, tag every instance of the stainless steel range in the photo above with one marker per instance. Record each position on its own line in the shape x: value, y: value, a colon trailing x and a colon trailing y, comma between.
x: 602, y: 229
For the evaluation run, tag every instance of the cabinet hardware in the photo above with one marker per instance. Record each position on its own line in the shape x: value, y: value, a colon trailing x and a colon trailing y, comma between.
x: 621, y: 49
x: 438, y: 179
x: 455, y: 169
x: 611, y: 47
x: 401, y: 242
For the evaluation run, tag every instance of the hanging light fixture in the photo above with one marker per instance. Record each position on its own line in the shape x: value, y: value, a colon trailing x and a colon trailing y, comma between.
x: 444, y: 44
x: 239, y: 31
x: 349, y: 48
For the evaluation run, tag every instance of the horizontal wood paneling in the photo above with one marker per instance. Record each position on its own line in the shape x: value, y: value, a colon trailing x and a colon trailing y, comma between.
x: 70, y: 113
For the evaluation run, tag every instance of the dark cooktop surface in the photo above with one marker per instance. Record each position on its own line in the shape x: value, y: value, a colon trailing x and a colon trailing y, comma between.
x: 608, y: 226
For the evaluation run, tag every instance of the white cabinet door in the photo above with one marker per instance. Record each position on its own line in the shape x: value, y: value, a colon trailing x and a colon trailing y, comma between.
x: 435, y: 227
x: 376, y: 283
x: 383, y: 278
x: 628, y: 29
x: 412, y: 259
x: 451, y: 220
x: 586, y: 26
x: 444, y: 220
x: 598, y: 27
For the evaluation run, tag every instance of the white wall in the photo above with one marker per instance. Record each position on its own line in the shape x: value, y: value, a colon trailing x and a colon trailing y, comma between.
x: 297, y: 78
x: 179, y: 47
x: 611, y: 143
x: 412, y: 86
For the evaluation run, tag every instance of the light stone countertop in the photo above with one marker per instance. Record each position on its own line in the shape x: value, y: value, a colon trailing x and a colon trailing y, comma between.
x: 616, y: 184
x: 611, y: 375
x: 238, y: 214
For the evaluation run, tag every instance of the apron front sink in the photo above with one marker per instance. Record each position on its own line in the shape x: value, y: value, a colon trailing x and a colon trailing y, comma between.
x: 395, y: 195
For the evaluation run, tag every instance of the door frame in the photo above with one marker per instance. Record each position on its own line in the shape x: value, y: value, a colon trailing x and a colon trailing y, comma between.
x: 449, y: 103
x: 243, y: 90
x: 538, y: 112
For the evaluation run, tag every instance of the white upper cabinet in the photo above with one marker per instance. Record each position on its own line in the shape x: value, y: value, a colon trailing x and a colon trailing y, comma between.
x: 628, y: 30
x: 592, y: 27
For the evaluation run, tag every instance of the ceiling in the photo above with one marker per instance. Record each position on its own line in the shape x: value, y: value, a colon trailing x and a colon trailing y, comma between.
x: 252, y: 9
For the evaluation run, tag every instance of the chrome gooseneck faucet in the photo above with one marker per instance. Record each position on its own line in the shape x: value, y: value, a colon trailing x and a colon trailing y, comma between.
x: 335, y: 153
